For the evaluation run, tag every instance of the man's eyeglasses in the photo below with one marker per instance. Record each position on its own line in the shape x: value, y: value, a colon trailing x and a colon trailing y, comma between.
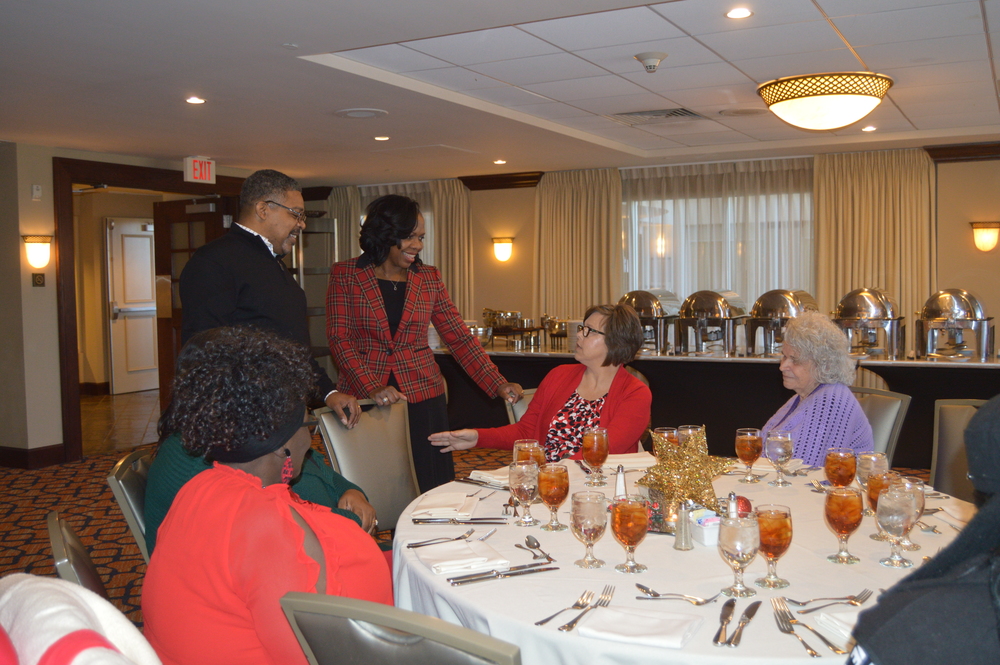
x: 299, y: 215
x: 586, y: 330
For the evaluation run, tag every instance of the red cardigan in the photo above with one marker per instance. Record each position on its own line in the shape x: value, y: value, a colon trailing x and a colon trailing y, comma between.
x: 625, y: 413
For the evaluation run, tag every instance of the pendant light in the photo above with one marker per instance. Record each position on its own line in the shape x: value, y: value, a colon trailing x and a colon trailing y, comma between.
x: 825, y: 101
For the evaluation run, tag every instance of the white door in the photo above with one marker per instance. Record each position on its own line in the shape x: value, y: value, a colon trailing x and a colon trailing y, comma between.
x: 132, y: 305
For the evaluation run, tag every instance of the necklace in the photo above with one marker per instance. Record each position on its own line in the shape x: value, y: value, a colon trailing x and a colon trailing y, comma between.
x: 395, y: 283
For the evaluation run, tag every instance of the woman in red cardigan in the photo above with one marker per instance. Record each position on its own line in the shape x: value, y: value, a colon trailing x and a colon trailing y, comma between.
x: 599, y: 392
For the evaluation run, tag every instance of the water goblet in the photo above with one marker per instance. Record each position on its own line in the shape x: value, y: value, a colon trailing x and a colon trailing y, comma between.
x: 778, y: 448
x: 775, y: 525
x: 739, y: 540
x: 588, y: 520
x: 553, y: 486
x: 523, y: 485
x: 629, y: 522
x: 749, y: 446
x: 843, y: 511
x: 840, y: 466
x: 869, y: 464
x: 684, y: 432
x: 896, y: 514
x: 915, y: 485
x: 876, y: 483
x: 595, y: 453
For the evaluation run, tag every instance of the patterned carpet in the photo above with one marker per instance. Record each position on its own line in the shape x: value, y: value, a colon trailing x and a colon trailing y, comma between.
x: 80, y: 492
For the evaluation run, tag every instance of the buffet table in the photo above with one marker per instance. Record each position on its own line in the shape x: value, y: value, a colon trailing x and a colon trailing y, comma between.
x: 508, y: 608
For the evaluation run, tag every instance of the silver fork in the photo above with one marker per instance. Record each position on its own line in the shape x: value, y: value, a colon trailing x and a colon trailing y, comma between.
x: 816, y: 600
x: 486, y: 496
x: 785, y: 626
x: 438, y: 541
x: 780, y: 606
x: 857, y: 601
x: 580, y: 604
x: 475, y: 493
x: 603, y: 601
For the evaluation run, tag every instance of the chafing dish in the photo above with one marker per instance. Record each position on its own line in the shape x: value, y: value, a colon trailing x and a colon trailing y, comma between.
x: 770, y: 314
x: 942, y: 324
x: 502, y: 321
x: 863, y: 314
x: 709, y: 317
x: 657, y: 312
x: 483, y: 333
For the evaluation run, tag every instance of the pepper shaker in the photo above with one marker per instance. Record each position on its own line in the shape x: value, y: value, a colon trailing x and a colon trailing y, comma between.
x: 682, y: 532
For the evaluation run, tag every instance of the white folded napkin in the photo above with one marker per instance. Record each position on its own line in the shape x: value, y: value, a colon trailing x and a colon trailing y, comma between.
x: 631, y: 461
x: 496, y: 477
x: 459, y: 556
x: 763, y: 465
x: 963, y: 512
x: 838, y: 624
x: 445, y: 504
x: 654, y: 629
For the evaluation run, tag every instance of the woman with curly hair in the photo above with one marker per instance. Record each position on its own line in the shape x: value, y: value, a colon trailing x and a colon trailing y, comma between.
x: 236, y: 538
x: 378, y: 309
x: 823, y: 413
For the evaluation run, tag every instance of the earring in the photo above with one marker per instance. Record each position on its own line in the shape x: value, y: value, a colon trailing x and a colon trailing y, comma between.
x: 287, y: 469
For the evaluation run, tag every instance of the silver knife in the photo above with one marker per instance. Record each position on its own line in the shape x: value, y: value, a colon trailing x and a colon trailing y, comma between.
x: 748, y: 613
x: 500, y: 576
x: 727, y: 614
x: 478, y: 520
x: 495, y: 571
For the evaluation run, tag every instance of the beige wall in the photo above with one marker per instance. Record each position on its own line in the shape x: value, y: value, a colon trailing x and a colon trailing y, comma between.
x: 503, y: 213
x: 13, y: 262
x: 968, y: 192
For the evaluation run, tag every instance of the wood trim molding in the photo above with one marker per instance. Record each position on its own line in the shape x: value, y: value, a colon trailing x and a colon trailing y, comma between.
x: 95, y: 389
x: 316, y: 193
x: 32, y: 458
x: 502, y: 180
x: 963, y: 152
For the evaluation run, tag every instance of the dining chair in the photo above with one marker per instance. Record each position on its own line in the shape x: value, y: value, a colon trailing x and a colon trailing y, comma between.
x: 128, y: 485
x: 949, y: 465
x: 515, y: 411
x: 72, y: 561
x: 885, y: 411
x: 646, y: 440
x: 374, y: 455
x: 334, y: 630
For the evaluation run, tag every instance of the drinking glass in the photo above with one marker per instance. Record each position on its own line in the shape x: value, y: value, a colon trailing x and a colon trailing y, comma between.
x: 843, y: 512
x: 775, y: 524
x: 739, y: 540
x: 670, y: 433
x: 840, y: 466
x: 553, y: 486
x: 595, y: 452
x: 876, y: 483
x: 529, y: 449
x: 588, y: 519
x: 778, y: 448
x: 869, y: 464
x: 629, y: 522
x: 684, y: 432
x: 749, y: 446
x: 915, y: 485
x: 897, y: 511
x: 524, y: 485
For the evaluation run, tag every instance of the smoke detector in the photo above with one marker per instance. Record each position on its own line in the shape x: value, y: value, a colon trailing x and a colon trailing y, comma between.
x: 650, y: 60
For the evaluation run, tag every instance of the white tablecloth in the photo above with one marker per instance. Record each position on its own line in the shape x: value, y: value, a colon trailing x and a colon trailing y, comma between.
x: 507, y: 609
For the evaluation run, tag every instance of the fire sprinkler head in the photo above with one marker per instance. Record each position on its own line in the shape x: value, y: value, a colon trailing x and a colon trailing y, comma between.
x: 650, y: 60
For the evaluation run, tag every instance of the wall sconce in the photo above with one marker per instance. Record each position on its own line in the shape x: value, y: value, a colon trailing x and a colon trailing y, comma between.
x: 502, y: 248
x: 39, y: 250
x: 985, y: 235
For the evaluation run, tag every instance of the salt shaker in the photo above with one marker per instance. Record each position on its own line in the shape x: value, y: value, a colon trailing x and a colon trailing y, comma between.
x: 620, y: 481
x: 682, y: 532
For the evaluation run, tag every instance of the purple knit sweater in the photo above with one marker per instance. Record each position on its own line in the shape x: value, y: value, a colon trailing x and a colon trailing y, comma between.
x: 829, y: 417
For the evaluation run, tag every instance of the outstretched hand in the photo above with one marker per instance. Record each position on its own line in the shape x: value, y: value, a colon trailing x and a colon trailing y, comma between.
x: 460, y: 439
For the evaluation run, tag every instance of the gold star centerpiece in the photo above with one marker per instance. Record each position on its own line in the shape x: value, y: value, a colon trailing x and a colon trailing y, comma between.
x: 683, y: 471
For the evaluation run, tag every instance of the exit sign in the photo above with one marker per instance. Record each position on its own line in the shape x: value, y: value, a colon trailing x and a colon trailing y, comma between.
x: 199, y: 169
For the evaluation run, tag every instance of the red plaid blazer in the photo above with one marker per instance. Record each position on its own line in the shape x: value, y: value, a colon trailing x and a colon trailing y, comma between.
x: 358, y: 332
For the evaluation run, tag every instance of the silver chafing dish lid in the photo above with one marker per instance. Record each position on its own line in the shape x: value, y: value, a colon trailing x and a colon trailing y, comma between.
x: 867, y: 304
x: 954, y: 305
x: 782, y: 304
x: 670, y: 303
x: 713, y: 305
x: 645, y: 304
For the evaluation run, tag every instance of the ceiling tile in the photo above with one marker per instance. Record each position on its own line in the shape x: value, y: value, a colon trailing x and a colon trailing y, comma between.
x: 715, y: 138
x: 637, y: 138
x: 539, y: 69
x: 394, y: 58
x: 456, y: 78
x: 623, y: 103
x: 590, y: 122
x: 686, y: 127
x: 956, y: 92
x: 885, y: 57
x: 834, y: 8
x: 506, y: 96
x: 993, y: 15
x: 766, y: 69
x: 725, y: 95
x: 665, y: 80
x: 551, y: 110
x: 949, y: 72
x: 776, y: 40
x: 588, y: 88
x: 471, y: 48
x: 977, y: 119
x: 909, y: 24
x: 681, y: 52
x: 623, y: 26
x: 708, y: 16
x: 917, y: 110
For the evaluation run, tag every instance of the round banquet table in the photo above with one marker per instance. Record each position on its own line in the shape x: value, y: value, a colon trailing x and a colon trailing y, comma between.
x: 508, y: 608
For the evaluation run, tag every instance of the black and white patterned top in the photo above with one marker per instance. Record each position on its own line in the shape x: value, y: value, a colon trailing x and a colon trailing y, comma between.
x: 565, y: 435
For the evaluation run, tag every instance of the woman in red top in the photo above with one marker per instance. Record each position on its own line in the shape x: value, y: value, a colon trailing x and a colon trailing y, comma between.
x: 599, y: 392
x: 236, y: 538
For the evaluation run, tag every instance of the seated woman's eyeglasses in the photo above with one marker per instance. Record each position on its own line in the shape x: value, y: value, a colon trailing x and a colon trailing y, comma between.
x: 586, y: 330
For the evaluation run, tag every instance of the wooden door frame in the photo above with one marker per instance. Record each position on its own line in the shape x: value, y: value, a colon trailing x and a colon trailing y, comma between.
x: 66, y: 172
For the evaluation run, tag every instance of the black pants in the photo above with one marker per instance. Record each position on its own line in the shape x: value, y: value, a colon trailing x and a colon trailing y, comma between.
x: 432, y: 466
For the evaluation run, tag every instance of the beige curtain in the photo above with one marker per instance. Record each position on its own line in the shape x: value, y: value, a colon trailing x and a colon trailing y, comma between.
x: 344, y: 205
x: 453, y: 241
x: 875, y: 227
x: 578, y: 224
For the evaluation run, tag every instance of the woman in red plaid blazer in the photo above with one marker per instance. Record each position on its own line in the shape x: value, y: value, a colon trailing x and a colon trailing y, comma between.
x: 379, y: 306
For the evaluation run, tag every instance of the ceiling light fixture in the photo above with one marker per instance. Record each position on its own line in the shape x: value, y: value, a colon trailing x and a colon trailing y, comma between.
x: 985, y: 235
x: 360, y: 113
x: 825, y: 101
x: 650, y: 60
x: 739, y: 12
x: 869, y: 128
x: 381, y: 138
x: 194, y: 100
x: 499, y: 161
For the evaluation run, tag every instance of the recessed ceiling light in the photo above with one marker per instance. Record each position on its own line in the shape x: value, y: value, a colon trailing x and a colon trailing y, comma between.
x: 290, y: 46
x: 739, y: 12
x: 195, y: 100
x: 499, y: 161
x: 381, y: 138
x: 360, y: 113
x: 869, y: 128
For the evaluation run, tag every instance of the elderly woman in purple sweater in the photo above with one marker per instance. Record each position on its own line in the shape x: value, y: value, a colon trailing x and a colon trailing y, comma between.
x: 823, y: 413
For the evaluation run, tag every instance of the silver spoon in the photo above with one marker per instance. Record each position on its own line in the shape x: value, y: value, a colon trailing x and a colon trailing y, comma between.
x: 534, y: 555
x: 533, y: 543
x: 694, y: 600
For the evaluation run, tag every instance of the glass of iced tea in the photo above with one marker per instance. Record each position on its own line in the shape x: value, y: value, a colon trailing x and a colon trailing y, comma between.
x: 775, y: 525
x: 553, y: 486
x: 749, y: 446
x: 739, y: 540
x: 840, y: 466
x: 843, y: 511
x: 524, y: 485
x: 629, y: 522
x: 684, y: 432
x: 876, y: 483
x: 525, y: 449
x: 868, y: 464
x: 915, y: 485
x: 595, y: 453
x: 588, y: 520
x: 670, y: 433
